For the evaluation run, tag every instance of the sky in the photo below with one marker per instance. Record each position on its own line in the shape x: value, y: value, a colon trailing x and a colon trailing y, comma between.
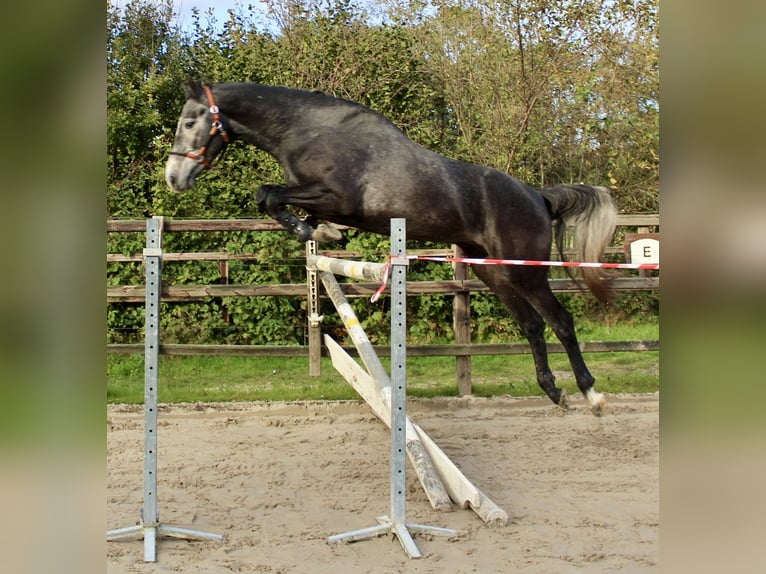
x: 219, y: 7
x: 183, y: 9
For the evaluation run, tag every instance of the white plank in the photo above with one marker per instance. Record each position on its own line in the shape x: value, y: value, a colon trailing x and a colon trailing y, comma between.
x: 460, y: 489
x: 380, y: 402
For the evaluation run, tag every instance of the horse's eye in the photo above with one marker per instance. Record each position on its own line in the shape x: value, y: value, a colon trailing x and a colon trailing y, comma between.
x: 189, y: 125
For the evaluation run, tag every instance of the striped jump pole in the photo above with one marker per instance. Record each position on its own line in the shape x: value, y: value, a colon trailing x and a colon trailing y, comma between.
x: 362, y: 270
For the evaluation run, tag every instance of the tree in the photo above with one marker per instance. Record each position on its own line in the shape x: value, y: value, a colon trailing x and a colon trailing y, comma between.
x: 549, y: 92
x: 144, y: 68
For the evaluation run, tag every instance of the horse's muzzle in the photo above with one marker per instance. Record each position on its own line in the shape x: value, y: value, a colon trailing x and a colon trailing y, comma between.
x: 172, y: 183
x: 181, y: 173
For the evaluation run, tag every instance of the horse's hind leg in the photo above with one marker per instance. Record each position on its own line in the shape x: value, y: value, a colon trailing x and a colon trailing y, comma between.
x: 532, y: 326
x: 526, y: 293
x: 544, y: 301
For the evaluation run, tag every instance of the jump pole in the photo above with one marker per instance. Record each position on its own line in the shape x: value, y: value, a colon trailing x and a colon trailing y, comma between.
x: 149, y: 524
x: 395, y: 523
x: 374, y: 387
x: 461, y: 490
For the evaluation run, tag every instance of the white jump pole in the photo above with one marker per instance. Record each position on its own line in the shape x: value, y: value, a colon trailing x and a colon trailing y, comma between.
x: 149, y: 525
x: 395, y: 523
x: 363, y: 270
x: 374, y: 386
x: 442, y: 480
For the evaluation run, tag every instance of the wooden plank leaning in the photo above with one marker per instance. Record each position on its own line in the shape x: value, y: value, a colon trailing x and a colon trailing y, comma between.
x: 379, y: 387
x: 460, y: 489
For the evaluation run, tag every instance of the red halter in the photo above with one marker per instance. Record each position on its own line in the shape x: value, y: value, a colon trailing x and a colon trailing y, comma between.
x: 215, y: 129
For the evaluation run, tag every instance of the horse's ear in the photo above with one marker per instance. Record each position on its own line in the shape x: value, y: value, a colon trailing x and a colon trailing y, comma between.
x: 192, y: 90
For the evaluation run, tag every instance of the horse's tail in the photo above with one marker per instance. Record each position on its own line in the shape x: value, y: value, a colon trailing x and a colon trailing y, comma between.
x: 592, y: 214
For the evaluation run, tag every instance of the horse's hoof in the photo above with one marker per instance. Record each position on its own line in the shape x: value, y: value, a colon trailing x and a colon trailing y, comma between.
x: 563, y: 400
x: 325, y: 232
x: 597, y: 404
x: 304, y: 232
x: 598, y: 409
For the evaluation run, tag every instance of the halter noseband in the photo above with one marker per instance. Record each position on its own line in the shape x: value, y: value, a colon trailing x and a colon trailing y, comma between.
x: 215, y: 129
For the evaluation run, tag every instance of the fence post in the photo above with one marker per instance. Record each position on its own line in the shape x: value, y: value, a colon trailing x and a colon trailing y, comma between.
x: 223, y: 268
x: 461, y: 323
x: 314, y: 318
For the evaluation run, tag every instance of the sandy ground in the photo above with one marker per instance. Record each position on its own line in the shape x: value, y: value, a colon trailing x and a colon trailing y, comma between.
x: 276, y: 480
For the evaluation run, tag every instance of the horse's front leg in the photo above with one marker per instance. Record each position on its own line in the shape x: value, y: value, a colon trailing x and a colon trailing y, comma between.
x: 273, y: 199
x: 269, y: 200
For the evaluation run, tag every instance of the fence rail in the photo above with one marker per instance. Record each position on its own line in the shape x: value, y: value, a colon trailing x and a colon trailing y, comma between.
x: 460, y: 287
x: 450, y: 350
x: 176, y: 293
x: 180, y: 293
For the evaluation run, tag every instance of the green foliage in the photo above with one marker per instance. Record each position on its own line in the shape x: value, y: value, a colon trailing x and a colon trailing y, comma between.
x: 569, y: 93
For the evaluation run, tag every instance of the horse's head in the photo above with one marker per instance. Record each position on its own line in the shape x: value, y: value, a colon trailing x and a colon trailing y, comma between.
x: 200, y: 137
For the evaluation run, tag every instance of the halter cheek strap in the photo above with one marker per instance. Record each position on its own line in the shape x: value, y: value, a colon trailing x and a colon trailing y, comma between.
x: 215, y: 129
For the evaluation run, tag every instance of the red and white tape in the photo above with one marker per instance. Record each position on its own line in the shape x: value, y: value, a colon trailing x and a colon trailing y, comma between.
x: 476, y: 261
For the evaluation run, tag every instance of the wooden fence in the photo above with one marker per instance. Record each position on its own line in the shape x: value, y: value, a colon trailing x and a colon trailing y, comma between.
x: 460, y: 287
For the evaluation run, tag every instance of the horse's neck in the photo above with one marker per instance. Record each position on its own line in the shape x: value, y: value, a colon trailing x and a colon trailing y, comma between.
x: 259, y: 114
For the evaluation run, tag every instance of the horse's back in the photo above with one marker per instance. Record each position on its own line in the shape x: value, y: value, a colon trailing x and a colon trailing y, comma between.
x: 382, y: 173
